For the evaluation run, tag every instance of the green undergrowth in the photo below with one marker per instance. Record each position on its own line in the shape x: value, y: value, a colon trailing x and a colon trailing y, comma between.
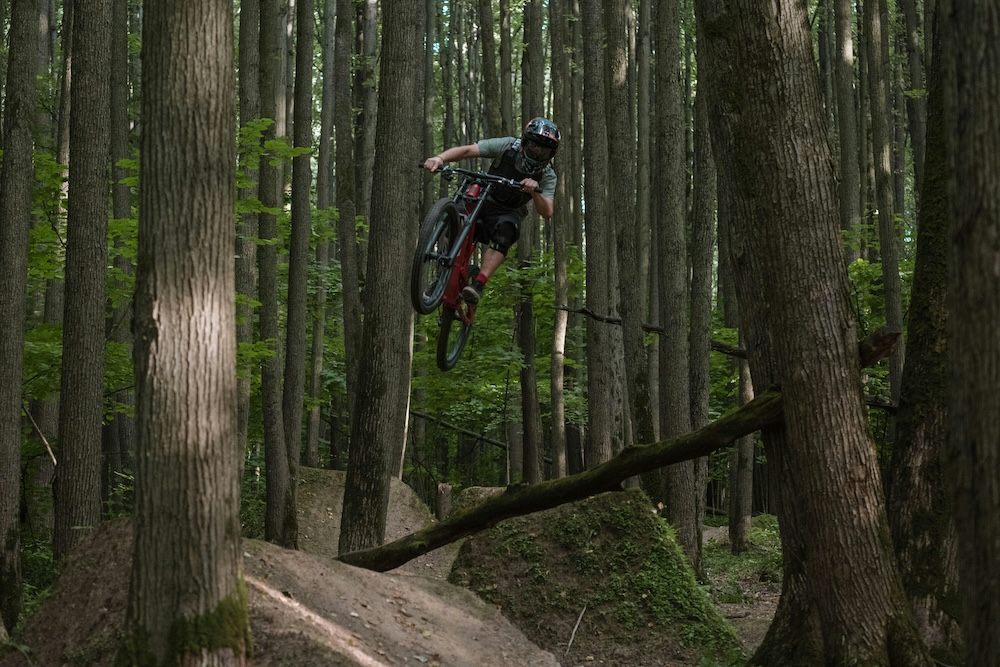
x: 605, y: 574
x: 739, y: 578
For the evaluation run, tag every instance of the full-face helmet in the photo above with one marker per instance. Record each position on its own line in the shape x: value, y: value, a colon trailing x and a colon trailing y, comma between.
x: 539, y: 143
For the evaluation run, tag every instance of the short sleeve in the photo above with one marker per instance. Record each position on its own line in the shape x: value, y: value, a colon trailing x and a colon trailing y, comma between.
x: 490, y: 148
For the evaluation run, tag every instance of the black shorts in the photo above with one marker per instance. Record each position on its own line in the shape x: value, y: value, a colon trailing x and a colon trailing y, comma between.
x: 498, y: 226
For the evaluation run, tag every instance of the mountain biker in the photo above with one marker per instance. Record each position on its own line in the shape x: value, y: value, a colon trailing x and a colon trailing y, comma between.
x: 525, y: 159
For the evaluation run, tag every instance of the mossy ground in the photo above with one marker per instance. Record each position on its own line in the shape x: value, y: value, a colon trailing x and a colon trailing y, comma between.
x: 605, y: 573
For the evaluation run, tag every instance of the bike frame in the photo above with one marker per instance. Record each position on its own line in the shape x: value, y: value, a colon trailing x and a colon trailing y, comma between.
x: 461, y: 252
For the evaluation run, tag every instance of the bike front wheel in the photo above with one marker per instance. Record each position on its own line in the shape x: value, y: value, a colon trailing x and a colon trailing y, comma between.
x: 451, y: 339
x: 430, y: 272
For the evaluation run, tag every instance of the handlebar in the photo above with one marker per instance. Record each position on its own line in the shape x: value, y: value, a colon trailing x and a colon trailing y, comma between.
x: 448, y: 173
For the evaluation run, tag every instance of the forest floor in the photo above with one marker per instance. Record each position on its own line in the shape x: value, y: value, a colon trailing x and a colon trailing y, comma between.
x: 309, y: 610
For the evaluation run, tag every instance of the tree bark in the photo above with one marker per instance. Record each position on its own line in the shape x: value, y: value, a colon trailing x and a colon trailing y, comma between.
x: 606, y: 430
x: 916, y: 98
x: 324, y: 203
x: 16, y: 188
x: 380, y: 422
x: 491, y: 80
x: 78, y: 482
x: 879, y: 78
x: 247, y: 224
x: 849, y: 181
x: 280, y: 521
x: 842, y: 598
x: 921, y: 518
x: 187, y: 601
x: 973, y: 457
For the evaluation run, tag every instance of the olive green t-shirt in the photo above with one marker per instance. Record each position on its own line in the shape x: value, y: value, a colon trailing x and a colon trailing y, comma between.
x: 491, y: 148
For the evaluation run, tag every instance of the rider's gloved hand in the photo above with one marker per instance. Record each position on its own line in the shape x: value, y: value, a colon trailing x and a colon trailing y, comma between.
x: 433, y: 163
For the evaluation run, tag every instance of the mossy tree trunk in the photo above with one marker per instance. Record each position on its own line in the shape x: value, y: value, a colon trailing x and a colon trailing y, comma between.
x: 187, y: 601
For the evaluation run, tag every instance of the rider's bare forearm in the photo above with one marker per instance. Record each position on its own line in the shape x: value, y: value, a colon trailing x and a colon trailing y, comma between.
x: 543, y: 205
x: 456, y: 153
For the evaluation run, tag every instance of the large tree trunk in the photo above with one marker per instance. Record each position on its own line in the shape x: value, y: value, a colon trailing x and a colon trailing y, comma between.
x: 842, y: 597
x: 280, y: 521
x: 16, y: 185
x: 606, y: 431
x: 187, y: 602
x: 969, y: 66
x: 380, y: 423
x: 78, y: 481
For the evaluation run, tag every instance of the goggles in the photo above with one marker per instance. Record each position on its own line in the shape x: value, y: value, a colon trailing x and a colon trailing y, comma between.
x: 536, y: 151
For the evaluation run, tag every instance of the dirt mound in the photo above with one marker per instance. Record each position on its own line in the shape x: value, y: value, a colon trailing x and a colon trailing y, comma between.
x: 601, y: 581
x: 305, y: 610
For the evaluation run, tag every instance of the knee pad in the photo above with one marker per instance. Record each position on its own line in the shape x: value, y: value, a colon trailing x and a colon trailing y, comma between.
x: 503, y: 237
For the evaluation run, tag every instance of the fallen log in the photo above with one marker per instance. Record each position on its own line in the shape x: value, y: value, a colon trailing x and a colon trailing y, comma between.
x: 519, y: 499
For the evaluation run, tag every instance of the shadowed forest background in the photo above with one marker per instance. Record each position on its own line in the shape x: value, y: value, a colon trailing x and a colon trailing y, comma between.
x: 208, y: 212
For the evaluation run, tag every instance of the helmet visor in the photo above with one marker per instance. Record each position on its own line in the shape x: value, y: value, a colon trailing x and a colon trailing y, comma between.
x: 537, y: 151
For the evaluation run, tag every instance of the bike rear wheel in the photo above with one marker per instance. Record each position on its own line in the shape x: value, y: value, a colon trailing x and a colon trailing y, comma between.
x: 451, y: 339
x: 429, y: 275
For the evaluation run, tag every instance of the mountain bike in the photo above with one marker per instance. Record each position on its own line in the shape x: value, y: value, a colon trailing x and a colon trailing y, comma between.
x: 442, y: 263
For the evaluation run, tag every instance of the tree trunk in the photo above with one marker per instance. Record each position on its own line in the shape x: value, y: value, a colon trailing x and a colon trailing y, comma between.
x: 247, y: 224
x: 842, y: 597
x: 879, y: 75
x: 346, y: 200
x: 380, y: 423
x: 280, y: 522
x: 77, y: 484
x: 849, y: 181
x: 561, y: 231
x: 968, y: 64
x: 700, y: 336
x: 16, y: 186
x: 324, y: 203
x: 301, y: 233
x: 916, y: 99
x: 365, y: 131
x: 187, y: 602
x: 675, y: 408
x: 606, y: 430
x: 621, y: 200
x: 491, y: 81
x: 920, y: 516
x: 506, y: 71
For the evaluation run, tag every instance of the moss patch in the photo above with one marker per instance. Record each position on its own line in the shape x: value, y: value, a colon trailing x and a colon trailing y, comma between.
x: 610, y: 558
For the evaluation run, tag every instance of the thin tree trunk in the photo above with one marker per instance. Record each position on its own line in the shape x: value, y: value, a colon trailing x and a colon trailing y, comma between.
x: 324, y: 203
x: 675, y: 409
x: 881, y: 118
x: 491, y: 81
x: 849, y: 181
x: 280, y: 521
x: 506, y: 72
x: 916, y: 99
x: 16, y: 186
x: 77, y: 484
x: 247, y: 224
x: 346, y: 200
x: 301, y: 232
x: 606, y: 430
